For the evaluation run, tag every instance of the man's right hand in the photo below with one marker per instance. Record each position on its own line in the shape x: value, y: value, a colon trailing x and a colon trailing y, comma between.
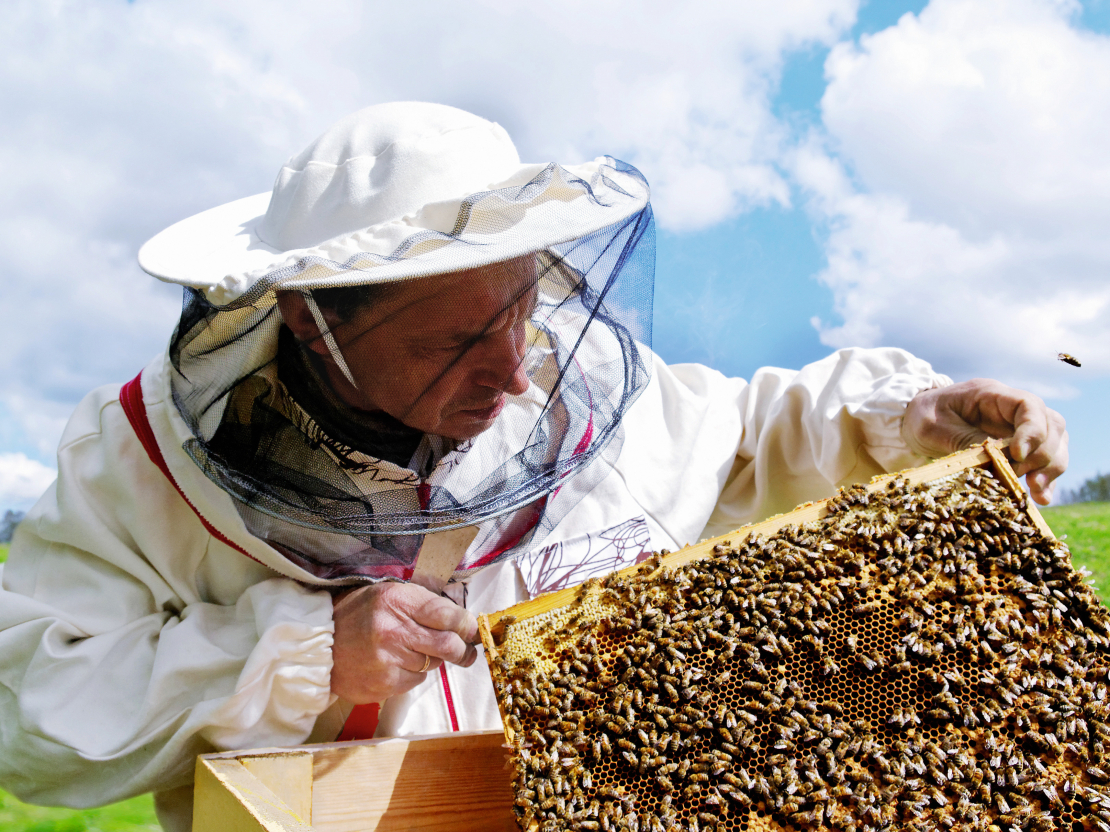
x: 383, y: 634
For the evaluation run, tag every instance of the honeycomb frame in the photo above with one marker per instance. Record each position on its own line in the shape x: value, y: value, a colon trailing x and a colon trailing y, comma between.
x: 935, y: 662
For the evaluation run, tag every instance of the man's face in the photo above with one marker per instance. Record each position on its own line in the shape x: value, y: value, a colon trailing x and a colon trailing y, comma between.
x: 441, y: 353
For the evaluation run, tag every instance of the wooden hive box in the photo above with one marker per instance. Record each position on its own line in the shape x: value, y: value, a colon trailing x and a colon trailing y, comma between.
x: 447, y: 783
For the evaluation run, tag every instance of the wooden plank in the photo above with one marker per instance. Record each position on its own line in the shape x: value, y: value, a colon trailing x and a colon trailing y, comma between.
x: 448, y: 783
x: 288, y: 774
x: 1007, y: 475
x: 228, y: 798
x: 440, y: 555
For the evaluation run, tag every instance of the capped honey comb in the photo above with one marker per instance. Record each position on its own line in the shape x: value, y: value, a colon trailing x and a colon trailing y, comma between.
x: 908, y: 655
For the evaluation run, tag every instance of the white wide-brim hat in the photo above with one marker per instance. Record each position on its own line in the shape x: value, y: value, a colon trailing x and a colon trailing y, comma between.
x: 392, y: 192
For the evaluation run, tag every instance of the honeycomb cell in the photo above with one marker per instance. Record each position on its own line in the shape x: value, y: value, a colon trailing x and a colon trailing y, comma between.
x: 920, y: 657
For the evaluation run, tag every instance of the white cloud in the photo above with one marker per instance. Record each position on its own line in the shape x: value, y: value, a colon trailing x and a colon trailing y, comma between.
x: 121, y: 118
x: 22, y: 481
x: 681, y: 91
x: 965, y: 180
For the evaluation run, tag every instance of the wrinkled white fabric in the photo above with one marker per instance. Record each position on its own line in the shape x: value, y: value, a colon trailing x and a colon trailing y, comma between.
x: 131, y: 639
x: 368, y: 170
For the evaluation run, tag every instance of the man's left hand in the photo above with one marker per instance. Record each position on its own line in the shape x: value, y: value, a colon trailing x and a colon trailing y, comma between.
x: 946, y: 419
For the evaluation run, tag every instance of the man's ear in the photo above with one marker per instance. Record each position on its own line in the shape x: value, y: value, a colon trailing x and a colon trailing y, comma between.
x: 298, y: 317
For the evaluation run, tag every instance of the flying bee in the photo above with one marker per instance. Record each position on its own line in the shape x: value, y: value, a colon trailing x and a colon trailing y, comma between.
x: 1068, y: 359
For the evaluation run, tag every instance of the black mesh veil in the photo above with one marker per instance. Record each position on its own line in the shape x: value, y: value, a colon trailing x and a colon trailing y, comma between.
x: 332, y: 451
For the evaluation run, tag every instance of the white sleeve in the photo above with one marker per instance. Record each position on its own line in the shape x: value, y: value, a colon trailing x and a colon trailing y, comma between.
x: 116, y: 670
x: 806, y: 432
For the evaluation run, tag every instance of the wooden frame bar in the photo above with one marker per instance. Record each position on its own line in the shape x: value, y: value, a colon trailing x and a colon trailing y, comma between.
x: 446, y: 783
x: 989, y: 455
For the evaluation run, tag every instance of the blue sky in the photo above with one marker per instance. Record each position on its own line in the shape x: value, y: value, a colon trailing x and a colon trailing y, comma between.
x: 825, y: 173
x: 756, y: 273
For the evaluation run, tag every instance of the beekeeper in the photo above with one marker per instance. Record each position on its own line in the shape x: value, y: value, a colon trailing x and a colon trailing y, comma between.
x: 417, y: 358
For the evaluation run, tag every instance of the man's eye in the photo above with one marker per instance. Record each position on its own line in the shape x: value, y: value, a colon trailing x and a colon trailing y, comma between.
x: 438, y: 349
x: 457, y: 346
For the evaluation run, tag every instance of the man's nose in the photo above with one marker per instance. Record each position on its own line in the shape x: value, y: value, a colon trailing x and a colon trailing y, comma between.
x: 503, y: 364
x: 518, y: 381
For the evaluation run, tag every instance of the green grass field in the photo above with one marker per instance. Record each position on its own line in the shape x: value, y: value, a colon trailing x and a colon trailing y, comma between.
x: 135, y: 815
x: 1087, y: 530
x: 1087, y: 526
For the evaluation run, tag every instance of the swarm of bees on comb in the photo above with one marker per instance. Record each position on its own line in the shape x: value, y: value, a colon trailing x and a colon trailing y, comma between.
x: 923, y: 656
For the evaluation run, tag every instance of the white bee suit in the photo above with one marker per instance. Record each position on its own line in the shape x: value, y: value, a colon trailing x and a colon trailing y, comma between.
x: 140, y: 627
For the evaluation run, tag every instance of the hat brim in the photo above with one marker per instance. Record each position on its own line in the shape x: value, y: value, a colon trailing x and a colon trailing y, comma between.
x: 219, y: 251
x: 200, y: 250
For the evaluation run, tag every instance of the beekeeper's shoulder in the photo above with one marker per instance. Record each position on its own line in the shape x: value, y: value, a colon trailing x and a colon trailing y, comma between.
x: 87, y: 423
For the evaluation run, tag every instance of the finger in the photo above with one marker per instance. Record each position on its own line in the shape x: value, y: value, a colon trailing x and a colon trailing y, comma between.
x: 422, y: 663
x: 405, y: 680
x: 470, y: 657
x: 444, y: 645
x: 1040, y: 489
x: 382, y: 685
x: 438, y: 613
x: 1048, y: 452
x: 1051, y: 456
x: 1040, y: 482
x: 1031, y: 428
x: 1048, y: 462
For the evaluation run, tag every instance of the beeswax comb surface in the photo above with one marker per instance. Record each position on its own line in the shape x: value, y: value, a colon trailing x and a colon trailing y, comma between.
x: 922, y: 656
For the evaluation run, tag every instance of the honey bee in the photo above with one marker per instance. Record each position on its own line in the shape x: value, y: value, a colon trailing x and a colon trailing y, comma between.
x: 1068, y: 359
x: 828, y: 666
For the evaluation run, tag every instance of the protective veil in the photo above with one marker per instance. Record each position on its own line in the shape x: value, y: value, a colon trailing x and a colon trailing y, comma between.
x: 567, y: 255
